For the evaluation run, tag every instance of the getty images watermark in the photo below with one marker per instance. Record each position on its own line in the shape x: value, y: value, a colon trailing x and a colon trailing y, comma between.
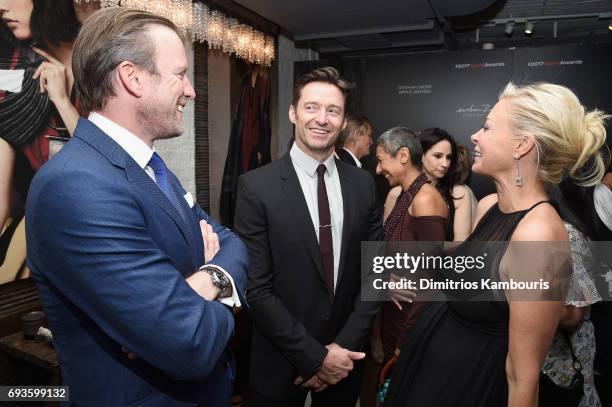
x: 484, y: 271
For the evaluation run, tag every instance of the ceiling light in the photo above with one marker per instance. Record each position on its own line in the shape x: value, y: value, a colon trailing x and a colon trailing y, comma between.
x: 529, y: 28
x: 610, y: 25
x: 214, y: 27
x: 509, y: 28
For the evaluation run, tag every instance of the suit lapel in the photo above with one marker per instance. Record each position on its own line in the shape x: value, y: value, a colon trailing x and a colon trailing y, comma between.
x: 348, y: 203
x: 297, y: 204
x: 95, y: 137
x: 140, y: 178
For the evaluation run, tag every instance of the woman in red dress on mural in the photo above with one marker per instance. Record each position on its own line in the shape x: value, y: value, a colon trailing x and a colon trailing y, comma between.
x: 38, y: 110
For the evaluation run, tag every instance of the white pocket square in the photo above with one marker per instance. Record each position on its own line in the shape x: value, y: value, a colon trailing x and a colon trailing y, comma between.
x: 189, y: 198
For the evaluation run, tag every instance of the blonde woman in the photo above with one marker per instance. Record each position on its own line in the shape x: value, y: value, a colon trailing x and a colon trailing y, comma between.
x: 490, y: 353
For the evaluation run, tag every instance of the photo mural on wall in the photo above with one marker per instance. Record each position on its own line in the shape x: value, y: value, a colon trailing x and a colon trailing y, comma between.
x: 38, y: 109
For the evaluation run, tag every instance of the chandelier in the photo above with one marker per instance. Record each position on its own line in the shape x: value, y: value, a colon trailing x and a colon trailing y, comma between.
x: 219, y: 31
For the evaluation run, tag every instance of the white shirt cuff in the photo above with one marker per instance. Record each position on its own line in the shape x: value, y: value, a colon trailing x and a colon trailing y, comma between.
x: 234, y: 300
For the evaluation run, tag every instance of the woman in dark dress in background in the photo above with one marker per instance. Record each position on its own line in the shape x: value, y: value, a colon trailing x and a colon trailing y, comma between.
x: 440, y: 164
x: 490, y: 353
x: 419, y: 214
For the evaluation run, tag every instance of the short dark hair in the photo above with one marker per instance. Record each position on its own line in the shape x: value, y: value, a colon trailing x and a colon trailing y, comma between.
x: 327, y: 74
x: 53, y: 22
x: 109, y: 37
x: 399, y: 137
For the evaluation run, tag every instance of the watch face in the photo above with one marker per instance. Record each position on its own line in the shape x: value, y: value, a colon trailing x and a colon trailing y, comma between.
x: 220, y: 278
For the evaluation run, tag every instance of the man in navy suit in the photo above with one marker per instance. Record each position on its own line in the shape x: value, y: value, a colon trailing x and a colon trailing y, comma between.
x: 136, y: 280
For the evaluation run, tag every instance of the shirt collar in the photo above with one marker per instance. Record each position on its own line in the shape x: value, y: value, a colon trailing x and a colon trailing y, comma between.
x: 309, y: 164
x: 135, y: 147
x: 354, y: 157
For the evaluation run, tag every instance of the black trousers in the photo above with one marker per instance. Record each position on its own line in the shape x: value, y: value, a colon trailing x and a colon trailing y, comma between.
x: 343, y: 394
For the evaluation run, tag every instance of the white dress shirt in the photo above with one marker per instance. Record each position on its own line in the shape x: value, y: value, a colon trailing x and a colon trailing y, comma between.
x: 142, y: 153
x: 354, y: 157
x: 306, y: 169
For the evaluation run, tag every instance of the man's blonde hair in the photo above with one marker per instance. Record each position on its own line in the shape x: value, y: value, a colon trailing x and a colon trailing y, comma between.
x: 109, y: 37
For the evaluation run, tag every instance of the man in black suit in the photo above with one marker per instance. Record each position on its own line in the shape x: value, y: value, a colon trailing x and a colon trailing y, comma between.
x: 303, y: 218
x: 355, y: 140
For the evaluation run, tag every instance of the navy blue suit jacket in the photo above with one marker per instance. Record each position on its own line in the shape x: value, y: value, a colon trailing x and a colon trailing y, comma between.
x: 110, y: 254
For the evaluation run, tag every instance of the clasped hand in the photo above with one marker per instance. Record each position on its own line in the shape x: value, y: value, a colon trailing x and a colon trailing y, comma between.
x: 398, y: 295
x: 336, y: 366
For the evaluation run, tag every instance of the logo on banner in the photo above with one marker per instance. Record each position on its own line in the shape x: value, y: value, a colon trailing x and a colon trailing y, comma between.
x: 481, y: 65
x: 539, y: 64
x: 474, y: 110
x: 423, y: 89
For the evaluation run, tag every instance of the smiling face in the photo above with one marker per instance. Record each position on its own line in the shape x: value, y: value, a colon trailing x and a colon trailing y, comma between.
x: 16, y: 15
x: 392, y: 168
x: 318, y: 119
x: 437, y: 160
x: 494, y: 144
x: 168, y: 91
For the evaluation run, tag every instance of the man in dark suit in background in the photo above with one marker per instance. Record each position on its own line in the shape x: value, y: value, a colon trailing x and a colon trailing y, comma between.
x: 355, y: 140
x: 303, y: 218
x: 115, y: 244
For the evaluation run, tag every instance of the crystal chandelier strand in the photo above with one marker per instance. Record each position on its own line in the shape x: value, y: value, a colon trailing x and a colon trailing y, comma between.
x: 203, y: 24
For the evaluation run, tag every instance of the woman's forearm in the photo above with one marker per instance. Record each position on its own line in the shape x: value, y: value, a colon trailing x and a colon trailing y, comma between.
x: 68, y: 113
x: 522, y: 388
x: 7, y: 159
x: 571, y: 318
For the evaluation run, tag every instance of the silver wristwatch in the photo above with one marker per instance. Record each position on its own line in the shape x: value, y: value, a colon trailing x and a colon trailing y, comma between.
x: 219, y: 280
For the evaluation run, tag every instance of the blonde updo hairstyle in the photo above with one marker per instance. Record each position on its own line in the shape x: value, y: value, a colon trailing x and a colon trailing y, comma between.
x: 568, y: 139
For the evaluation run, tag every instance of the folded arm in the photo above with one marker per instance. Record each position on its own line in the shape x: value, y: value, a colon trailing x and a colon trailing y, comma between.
x: 231, y: 257
x: 106, y: 263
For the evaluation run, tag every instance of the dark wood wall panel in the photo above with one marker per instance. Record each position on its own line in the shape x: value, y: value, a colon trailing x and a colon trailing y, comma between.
x: 202, y: 149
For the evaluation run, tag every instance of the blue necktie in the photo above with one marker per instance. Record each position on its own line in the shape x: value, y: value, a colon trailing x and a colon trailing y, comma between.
x: 163, y: 181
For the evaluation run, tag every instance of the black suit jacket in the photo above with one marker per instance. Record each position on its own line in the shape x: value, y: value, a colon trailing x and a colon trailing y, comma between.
x: 346, y: 156
x: 293, y: 315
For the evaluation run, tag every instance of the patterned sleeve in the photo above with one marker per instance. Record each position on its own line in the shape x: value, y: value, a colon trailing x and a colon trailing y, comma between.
x: 582, y: 291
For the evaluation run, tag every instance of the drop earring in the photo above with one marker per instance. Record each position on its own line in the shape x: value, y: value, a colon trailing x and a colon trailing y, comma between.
x: 518, y: 179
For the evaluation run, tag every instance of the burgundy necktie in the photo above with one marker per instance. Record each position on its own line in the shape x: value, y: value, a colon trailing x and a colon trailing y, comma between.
x: 325, y: 230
